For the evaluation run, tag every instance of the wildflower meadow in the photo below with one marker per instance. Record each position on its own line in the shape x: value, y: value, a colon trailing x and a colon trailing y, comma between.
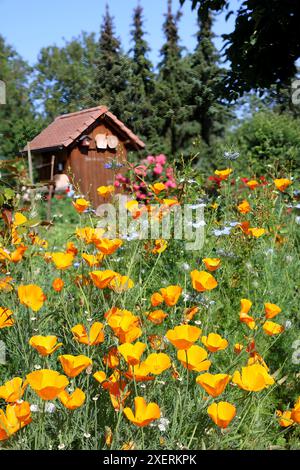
x: 123, y: 343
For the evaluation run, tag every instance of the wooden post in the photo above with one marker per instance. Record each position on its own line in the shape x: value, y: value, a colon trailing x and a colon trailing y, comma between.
x: 50, y: 188
x: 29, y: 163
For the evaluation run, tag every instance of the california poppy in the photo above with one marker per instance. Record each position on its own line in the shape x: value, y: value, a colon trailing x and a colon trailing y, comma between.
x: 183, y: 336
x: 32, y: 296
x: 13, y: 390
x: 58, y: 284
x: 282, y: 183
x: 144, y: 413
x: 253, y: 378
x: 203, y: 281
x: 271, y: 310
x: 158, y: 363
x: 102, y: 279
x: 62, y: 260
x: 93, y: 336
x: 105, y: 191
x: 45, y: 345
x: 271, y: 328
x: 6, y: 319
x: 74, y: 365
x: 244, y: 207
x: 195, y: 358
x: 223, y: 174
x: 159, y: 246
x: 171, y: 294
x: 213, y: 384
x: 73, y: 401
x: 48, y: 384
x: 132, y: 352
x: 81, y: 205
x: 214, y: 342
x: 221, y: 413
x: 212, y: 264
x: 16, y: 417
x: 157, y: 316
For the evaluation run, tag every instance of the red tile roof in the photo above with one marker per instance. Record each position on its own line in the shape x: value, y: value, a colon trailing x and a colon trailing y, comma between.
x: 65, y: 129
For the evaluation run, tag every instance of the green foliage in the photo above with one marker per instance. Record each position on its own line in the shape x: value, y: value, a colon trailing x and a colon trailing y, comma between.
x: 62, y: 75
x: 268, y: 138
x: 17, y: 124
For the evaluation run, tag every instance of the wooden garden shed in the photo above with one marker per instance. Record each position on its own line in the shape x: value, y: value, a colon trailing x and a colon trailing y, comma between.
x: 85, y: 145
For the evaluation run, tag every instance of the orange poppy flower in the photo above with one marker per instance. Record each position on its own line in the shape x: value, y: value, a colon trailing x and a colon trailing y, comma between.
x: 71, y: 248
x: 107, y: 246
x: 157, y: 363
x: 81, y: 205
x: 121, y: 283
x: 189, y: 313
x: 159, y: 246
x: 223, y: 174
x: 295, y: 415
x: 58, y: 284
x: 256, y: 232
x: 253, y: 378
x: 32, y: 296
x: 62, y: 260
x: 94, y: 336
x: 19, y: 219
x: 238, y: 347
x: 111, y: 359
x: 16, y: 417
x: 203, y: 281
x: 45, y: 345
x: 105, y: 191
x: 212, y: 264
x: 6, y: 319
x: 157, y: 187
x: 102, y: 279
x: 244, y: 226
x: 246, y: 304
x: 221, y: 413
x: 214, y: 385
x: 244, y: 207
x: 140, y: 373
x: 282, y: 183
x: 124, y: 324
x: 93, y: 260
x: 271, y: 328
x: 74, y: 365
x: 156, y: 299
x: 285, y: 418
x: 73, y: 401
x: 157, y: 316
x: 171, y: 294
x: 5, y: 284
x: 144, y: 413
x: 183, y: 336
x: 252, y: 184
x: 17, y: 255
x: 195, y: 358
x: 13, y: 390
x: 271, y: 310
x: 132, y: 352
x: 48, y: 384
x: 214, y: 342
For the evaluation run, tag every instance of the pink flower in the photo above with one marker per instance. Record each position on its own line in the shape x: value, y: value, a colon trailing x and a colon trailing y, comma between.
x: 170, y: 184
x: 141, y: 170
x: 150, y: 159
x: 161, y: 159
x: 158, y: 169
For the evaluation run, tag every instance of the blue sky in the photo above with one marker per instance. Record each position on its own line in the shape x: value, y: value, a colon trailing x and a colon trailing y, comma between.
x: 29, y: 25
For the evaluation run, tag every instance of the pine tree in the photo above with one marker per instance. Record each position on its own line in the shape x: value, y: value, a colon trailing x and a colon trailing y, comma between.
x: 206, y: 83
x: 111, y: 70
x: 139, y: 112
x: 170, y: 95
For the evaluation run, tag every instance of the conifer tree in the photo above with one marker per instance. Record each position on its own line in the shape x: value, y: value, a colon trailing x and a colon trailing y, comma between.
x: 111, y: 69
x: 139, y: 112
x: 170, y: 93
x: 206, y: 81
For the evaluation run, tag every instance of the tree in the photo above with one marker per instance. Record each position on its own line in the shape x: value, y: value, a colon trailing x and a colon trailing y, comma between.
x: 206, y: 83
x: 17, y: 122
x: 265, y: 44
x: 62, y: 76
x: 170, y: 95
x: 139, y: 111
x: 111, y: 70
